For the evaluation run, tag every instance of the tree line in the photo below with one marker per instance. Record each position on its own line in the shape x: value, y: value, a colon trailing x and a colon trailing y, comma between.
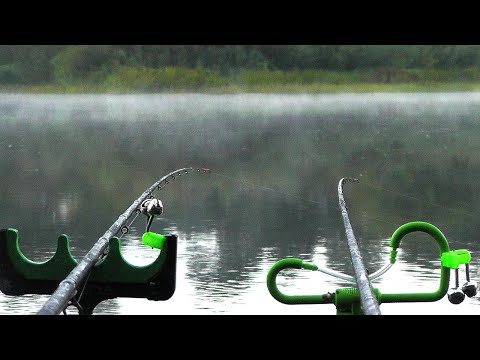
x: 37, y: 64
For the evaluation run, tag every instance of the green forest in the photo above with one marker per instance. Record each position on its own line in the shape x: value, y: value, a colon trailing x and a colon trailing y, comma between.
x: 230, y: 68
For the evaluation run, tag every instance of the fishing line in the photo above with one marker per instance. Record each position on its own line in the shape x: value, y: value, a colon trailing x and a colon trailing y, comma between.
x: 297, y: 197
x: 173, y: 177
x: 267, y: 188
x: 377, y: 187
x: 417, y: 199
x: 125, y: 229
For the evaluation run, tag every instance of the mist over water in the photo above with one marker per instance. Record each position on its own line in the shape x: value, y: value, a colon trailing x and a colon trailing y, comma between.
x: 73, y: 163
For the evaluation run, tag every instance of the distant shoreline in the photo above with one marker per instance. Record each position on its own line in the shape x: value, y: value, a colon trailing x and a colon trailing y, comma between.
x: 315, y: 88
x: 141, y: 80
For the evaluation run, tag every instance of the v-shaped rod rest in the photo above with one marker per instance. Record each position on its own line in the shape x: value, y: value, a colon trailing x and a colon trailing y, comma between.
x: 112, y: 277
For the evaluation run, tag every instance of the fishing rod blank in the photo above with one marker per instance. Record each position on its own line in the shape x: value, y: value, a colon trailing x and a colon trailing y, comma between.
x: 367, y: 297
x: 69, y: 287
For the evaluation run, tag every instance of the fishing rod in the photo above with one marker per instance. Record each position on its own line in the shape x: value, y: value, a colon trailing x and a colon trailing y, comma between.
x: 364, y: 299
x: 367, y: 297
x: 72, y: 284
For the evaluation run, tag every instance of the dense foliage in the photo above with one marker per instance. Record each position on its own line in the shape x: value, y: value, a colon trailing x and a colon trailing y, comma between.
x: 209, y: 64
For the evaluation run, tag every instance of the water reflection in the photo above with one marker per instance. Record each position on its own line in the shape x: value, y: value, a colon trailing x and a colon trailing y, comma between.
x: 72, y: 164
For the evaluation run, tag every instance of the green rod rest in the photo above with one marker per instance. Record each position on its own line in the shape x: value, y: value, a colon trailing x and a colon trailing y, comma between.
x: 112, y: 277
x: 347, y: 300
x: 442, y: 243
x: 293, y: 263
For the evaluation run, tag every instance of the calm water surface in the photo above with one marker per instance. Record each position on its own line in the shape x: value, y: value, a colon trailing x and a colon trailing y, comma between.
x: 73, y: 163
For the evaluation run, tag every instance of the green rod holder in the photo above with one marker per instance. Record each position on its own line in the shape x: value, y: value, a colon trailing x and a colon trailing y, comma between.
x: 437, y: 235
x: 110, y: 278
x: 293, y: 263
x: 347, y: 300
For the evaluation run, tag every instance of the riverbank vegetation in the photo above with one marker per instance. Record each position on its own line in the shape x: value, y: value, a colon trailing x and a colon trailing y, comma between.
x: 238, y: 68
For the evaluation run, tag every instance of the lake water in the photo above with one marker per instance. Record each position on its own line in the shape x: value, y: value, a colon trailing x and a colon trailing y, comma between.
x: 73, y: 163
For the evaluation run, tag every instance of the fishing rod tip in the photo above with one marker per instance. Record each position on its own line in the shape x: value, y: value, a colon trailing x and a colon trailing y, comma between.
x: 205, y: 170
x: 348, y: 179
